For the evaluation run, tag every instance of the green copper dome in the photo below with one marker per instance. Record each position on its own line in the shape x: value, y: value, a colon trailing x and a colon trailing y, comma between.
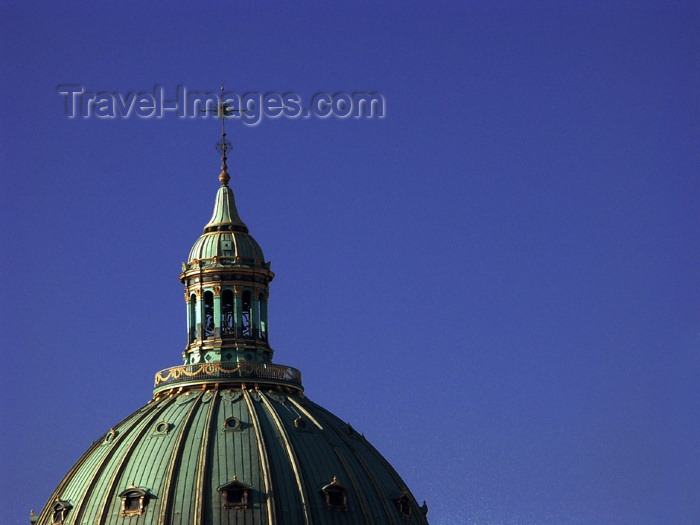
x: 229, y: 437
x: 230, y: 247
x: 293, y: 462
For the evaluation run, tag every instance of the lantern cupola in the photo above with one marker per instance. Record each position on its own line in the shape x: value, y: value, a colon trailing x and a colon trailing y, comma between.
x: 226, y: 283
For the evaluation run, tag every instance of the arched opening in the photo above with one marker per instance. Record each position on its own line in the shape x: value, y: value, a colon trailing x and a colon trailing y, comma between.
x: 192, y: 318
x: 262, y: 315
x: 228, y: 322
x: 208, y: 315
x: 245, y: 314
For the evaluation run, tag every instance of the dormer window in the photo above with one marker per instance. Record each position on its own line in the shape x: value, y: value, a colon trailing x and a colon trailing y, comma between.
x: 235, y: 495
x: 59, y: 511
x: 336, y: 496
x: 404, y: 505
x: 134, y: 501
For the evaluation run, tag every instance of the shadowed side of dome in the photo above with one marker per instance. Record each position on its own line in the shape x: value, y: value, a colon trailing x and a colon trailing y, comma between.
x: 233, y: 456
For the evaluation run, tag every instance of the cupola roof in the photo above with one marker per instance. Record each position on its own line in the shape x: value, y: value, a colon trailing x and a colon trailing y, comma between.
x: 226, y: 236
x: 225, y: 216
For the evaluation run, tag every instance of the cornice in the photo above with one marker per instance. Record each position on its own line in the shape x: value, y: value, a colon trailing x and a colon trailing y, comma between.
x: 266, y: 274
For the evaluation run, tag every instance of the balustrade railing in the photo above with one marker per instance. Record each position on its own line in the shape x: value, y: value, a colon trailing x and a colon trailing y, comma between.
x: 238, y: 331
x: 213, y: 372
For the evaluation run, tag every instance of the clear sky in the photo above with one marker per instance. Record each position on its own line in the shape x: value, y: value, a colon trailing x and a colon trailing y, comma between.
x: 497, y: 283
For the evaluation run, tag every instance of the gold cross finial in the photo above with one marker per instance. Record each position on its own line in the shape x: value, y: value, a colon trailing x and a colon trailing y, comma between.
x: 223, y: 111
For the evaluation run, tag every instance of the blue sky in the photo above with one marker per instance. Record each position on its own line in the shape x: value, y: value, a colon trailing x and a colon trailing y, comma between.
x: 497, y: 283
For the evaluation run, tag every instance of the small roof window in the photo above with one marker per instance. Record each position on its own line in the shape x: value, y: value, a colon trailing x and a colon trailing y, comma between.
x: 161, y: 428
x: 235, y: 495
x: 59, y: 511
x: 110, y: 436
x: 403, y: 503
x: 336, y: 496
x: 232, y: 424
x: 134, y: 500
x: 302, y: 425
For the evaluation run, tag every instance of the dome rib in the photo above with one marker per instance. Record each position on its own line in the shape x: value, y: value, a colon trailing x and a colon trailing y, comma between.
x: 165, y: 511
x: 262, y: 449
x: 389, y: 513
x: 96, y: 473
x: 380, y: 495
x: 361, y: 499
x: 322, y: 468
x: 65, y: 482
x: 291, y: 455
x: 287, y: 501
x: 183, y: 508
x: 201, y: 469
x: 305, y: 412
x: 121, y: 463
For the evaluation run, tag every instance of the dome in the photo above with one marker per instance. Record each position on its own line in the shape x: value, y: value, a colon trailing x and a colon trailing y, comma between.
x: 229, y: 437
x: 234, y: 455
x: 232, y: 248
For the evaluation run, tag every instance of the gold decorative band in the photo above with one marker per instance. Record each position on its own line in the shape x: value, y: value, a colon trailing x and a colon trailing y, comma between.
x: 214, y: 372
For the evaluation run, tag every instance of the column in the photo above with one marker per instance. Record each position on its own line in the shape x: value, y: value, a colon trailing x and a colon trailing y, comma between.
x: 199, y: 313
x: 217, y: 312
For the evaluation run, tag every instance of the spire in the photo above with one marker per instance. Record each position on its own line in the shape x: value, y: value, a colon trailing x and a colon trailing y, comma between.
x: 223, y: 111
x: 225, y: 216
x: 224, y: 176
